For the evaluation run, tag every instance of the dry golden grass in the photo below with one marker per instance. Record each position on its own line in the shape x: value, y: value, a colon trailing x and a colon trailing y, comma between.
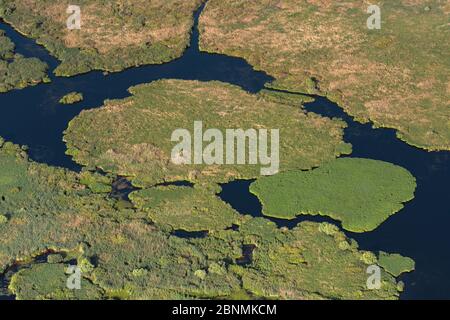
x: 114, y: 34
x: 397, y: 77
x: 105, y: 26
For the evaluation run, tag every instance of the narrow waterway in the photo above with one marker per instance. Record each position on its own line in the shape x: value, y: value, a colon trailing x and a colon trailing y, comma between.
x: 34, y: 117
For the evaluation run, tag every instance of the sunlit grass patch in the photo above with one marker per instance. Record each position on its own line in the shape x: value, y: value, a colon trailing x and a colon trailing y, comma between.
x: 361, y: 193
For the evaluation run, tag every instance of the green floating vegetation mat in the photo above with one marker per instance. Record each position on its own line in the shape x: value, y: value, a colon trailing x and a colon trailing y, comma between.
x: 361, y: 193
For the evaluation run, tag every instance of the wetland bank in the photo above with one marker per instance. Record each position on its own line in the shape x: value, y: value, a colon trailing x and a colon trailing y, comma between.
x: 284, y: 263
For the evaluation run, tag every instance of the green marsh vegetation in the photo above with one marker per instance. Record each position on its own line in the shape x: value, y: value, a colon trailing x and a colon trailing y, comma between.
x: 312, y: 261
x: 71, y: 98
x: 50, y: 208
x: 186, y: 208
x: 395, y: 264
x: 114, y: 35
x: 132, y: 137
x: 397, y: 77
x: 96, y: 182
x: 16, y: 71
x: 47, y: 281
x: 125, y: 255
x: 361, y: 193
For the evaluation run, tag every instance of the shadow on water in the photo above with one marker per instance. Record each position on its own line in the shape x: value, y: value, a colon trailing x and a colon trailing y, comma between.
x: 247, y: 255
x: 190, y: 234
x: 121, y: 189
x: 34, y: 117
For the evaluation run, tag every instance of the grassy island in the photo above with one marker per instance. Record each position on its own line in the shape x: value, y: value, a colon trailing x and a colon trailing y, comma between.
x: 395, y: 263
x: 132, y: 137
x: 361, y: 193
x: 71, y: 98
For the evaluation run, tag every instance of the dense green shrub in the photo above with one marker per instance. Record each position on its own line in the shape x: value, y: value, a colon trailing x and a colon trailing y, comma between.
x: 71, y: 98
x: 16, y: 71
x: 362, y: 193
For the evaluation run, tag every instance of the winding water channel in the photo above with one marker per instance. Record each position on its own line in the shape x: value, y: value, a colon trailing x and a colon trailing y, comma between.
x: 33, y: 117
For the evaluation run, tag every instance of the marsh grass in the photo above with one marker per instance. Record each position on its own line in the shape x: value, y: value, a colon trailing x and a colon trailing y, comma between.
x: 114, y: 35
x: 126, y: 255
x: 361, y: 193
x: 397, y: 77
x: 132, y: 137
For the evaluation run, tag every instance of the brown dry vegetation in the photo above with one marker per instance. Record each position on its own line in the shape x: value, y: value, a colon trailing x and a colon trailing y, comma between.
x: 397, y: 77
x: 104, y: 30
x: 114, y: 34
